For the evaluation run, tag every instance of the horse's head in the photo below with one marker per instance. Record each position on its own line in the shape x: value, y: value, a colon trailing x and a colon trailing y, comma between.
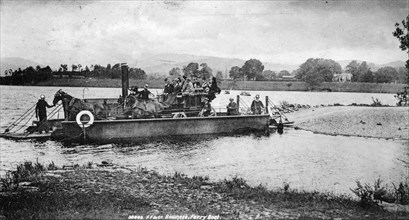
x: 60, y: 95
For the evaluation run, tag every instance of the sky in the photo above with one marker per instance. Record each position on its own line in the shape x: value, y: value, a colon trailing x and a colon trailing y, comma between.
x: 288, y: 32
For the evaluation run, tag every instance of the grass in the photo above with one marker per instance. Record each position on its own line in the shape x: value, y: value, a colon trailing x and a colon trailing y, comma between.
x: 99, y: 194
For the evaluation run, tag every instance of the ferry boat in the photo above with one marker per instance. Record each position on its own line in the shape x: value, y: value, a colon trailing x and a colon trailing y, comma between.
x: 119, y: 123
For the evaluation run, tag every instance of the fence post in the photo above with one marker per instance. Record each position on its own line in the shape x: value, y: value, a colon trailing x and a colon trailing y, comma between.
x: 238, y: 104
x: 267, y: 104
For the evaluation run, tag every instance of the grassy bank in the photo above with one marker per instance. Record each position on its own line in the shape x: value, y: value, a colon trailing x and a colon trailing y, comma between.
x: 239, y: 85
x: 105, y: 191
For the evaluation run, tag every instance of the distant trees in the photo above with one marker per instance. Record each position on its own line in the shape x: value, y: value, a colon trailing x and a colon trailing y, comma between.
x: 402, y: 34
x: 235, y: 73
x: 385, y: 75
x: 252, y: 68
x: 269, y: 74
x: 29, y: 75
x: 176, y: 72
x: 315, y: 71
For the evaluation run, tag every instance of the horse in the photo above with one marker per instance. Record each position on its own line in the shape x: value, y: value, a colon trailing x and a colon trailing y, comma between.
x: 150, y: 107
x: 72, y: 106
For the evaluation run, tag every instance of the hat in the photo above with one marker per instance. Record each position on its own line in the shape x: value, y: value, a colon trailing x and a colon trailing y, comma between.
x: 231, y: 99
x: 257, y: 96
x: 134, y: 88
x: 146, y: 85
x: 42, y: 96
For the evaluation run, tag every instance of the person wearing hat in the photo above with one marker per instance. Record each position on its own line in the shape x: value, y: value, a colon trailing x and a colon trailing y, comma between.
x: 257, y: 106
x: 231, y: 107
x: 144, y: 94
x: 41, y: 113
x: 134, y: 90
x: 207, y: 108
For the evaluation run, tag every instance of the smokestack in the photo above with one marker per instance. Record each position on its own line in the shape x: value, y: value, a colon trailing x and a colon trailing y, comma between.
x: 125, y: 80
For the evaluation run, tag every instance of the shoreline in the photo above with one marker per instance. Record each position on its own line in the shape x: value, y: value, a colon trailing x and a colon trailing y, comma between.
x: 358, y: 121
x: 106, y: 191
x: 230, y: 84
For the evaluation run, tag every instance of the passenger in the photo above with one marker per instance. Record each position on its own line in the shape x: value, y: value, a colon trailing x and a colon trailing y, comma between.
x: 41, y: 114
x: 168, y: 87
x: 177, y: 87
x: 145, y: 93
x: 134, y: 90
x: 257, y: 106
x: 206, y: 85
x: 207, y: 108
x: 231, y: 107
x: 187, y: 91
x: 196, y: 83
x: 214, y: 89
x: 188, y: 87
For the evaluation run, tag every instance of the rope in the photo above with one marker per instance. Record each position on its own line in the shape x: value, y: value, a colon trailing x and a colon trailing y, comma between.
x: 21, y: 118
x: 32, y: 115
x: 42, y: 125
x: 278, y: 110
x: 242, y: 103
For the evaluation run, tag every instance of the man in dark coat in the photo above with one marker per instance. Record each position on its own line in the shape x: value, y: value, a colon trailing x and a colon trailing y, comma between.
x: 144, y: 94
x: 231, y: 107
x: 257, y: 106
x: 41, y: 113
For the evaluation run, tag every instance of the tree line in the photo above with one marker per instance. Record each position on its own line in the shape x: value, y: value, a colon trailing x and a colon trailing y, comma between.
x: 32, y: 75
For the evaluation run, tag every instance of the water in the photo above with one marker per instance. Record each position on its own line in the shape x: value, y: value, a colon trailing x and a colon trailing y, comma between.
x: 305, y: 160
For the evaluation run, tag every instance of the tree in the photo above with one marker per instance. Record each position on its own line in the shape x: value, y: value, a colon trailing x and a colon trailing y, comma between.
x: 175, y: 71
x: 402, y: 34
x: 283, y: 73
x: 367, y: 77
x: 315, y: 71
x: 191, y: 69
x: 219, y: 77
x: 74, y: 67
x: 385, y: 75
x: 402, y: 74
x: 206, y: 71
x: 137, y: 73
x: 352, y: 68
x: 252, y: 68
x: 269, y: 74
x: 235, y: 72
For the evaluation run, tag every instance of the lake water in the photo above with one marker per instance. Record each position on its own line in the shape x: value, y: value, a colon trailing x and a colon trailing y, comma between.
x: 305, y: 160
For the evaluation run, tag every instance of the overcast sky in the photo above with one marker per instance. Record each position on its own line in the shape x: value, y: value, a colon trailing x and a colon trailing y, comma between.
x: 101, y: 32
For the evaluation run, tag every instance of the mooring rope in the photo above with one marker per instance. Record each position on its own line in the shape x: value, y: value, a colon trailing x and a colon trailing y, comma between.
x: 42, y: 125
x: 21, y: 118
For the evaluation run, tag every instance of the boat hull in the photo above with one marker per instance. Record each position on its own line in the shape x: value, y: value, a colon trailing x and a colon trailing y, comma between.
x: 130, y: 129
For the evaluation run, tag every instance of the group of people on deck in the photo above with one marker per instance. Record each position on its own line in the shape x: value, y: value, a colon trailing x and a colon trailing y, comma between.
x: 185, y: 86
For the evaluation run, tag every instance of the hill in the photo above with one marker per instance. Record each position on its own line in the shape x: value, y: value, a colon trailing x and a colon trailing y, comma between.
x: 14, y: 63
x: 162, y: 63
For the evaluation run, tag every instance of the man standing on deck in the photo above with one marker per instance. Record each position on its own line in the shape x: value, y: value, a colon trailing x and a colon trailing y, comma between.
x: 231, y: 107
x: 257, y: 106
x: 144, y: 94
x: 41, y: 112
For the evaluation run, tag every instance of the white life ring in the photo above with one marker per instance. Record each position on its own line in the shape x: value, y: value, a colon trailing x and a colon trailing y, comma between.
x: 89, y: 123
x: 179, y: 115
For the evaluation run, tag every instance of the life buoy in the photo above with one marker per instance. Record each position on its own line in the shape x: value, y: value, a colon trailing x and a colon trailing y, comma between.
x: 89, y: 123
x: 179, y: 115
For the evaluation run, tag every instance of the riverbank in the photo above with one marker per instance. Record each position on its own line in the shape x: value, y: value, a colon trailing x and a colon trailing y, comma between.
x: 238, y: 85
x: 373, y: 122
x: 106, y: 191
